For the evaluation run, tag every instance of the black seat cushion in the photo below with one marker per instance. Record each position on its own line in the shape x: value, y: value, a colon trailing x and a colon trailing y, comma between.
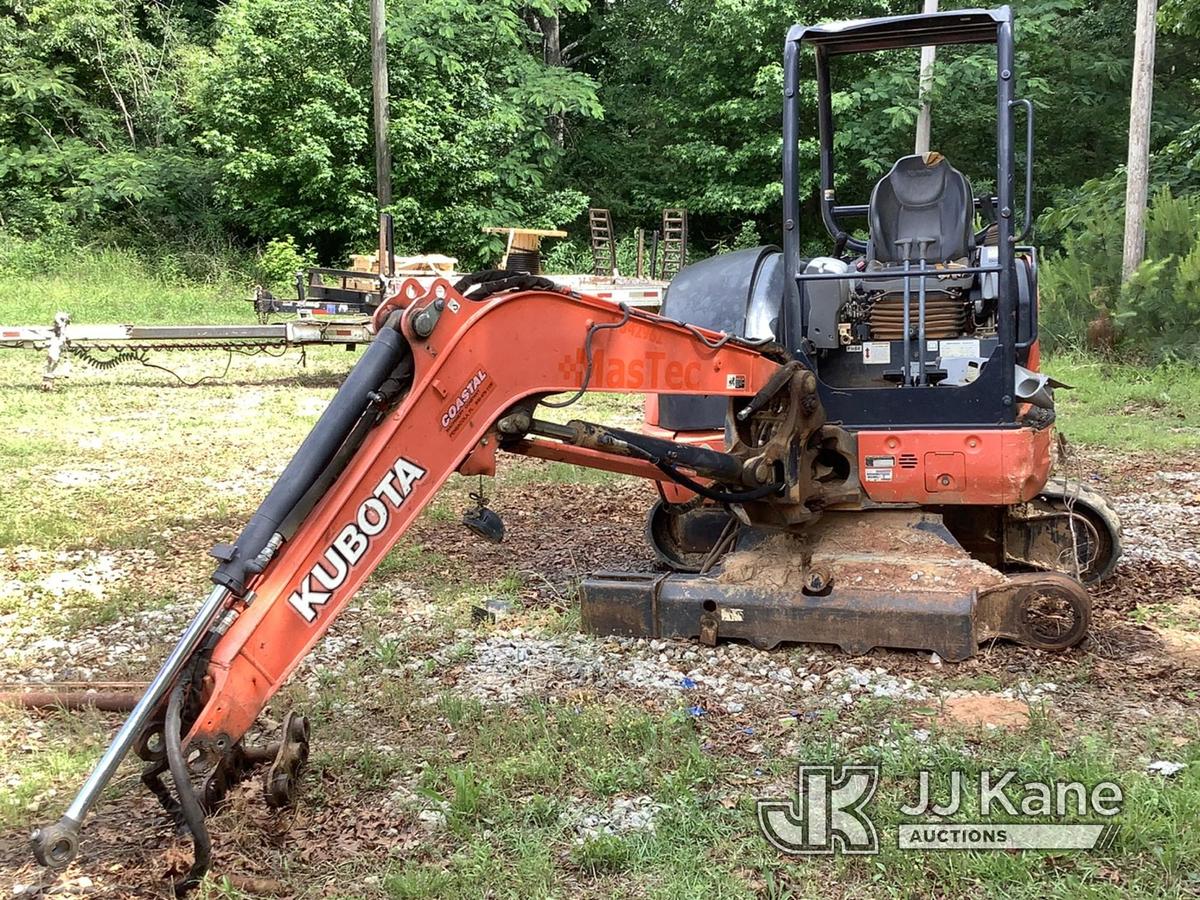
x: 923, y: 198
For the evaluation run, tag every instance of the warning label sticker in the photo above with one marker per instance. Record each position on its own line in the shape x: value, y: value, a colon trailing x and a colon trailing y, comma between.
x: 877, y: 352
x: 963, y: 349
x: 884, y: 474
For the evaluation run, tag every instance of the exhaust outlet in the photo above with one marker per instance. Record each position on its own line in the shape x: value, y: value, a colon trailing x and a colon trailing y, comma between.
x: 1036, y: 387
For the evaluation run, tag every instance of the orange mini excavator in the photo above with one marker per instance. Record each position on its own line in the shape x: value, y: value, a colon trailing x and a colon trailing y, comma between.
x: 852, y: 449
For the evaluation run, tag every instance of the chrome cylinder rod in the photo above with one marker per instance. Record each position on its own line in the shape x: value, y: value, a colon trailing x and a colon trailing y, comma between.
x: 55, y: 845
x: 921, y: 345
x: 906, y: 368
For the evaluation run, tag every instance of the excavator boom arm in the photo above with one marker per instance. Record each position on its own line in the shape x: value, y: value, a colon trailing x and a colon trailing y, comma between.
x: 422, y: 402
x: 480, y: 359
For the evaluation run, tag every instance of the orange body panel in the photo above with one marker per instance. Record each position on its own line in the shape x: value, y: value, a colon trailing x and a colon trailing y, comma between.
x: 1034, y: 362
x: 482, y: 357
x: 986, y: 467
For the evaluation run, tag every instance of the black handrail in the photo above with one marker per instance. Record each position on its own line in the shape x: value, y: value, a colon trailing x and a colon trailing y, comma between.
x: 1028, y: 168
x: 895, y: 273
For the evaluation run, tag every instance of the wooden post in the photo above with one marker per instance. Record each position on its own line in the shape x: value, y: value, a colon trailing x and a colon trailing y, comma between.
x: 552, y: 55
x: 641, y: 253
x: 925, y: 85
x: 1138, y: 167
x: 379, y: 94
x: 387, y: 249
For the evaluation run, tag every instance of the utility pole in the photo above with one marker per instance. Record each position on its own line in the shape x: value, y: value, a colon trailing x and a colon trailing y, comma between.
x: 379, y: 95
x: 925, y: 116
x: 552, y: 55
x: 1137, y: 169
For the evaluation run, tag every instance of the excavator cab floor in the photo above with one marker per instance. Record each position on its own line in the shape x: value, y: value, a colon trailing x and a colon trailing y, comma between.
x: 857, y: 580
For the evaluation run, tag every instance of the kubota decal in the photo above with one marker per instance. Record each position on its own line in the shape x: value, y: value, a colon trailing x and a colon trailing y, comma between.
x: 653, y: 371
x: 476, y: 389
x: 330, y: 571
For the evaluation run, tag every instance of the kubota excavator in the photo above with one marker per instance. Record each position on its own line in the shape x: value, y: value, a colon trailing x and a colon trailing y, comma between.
x: 852, y: 449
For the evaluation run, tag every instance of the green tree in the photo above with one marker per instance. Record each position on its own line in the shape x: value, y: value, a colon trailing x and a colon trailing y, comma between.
x: 285, y: 100
x: 90, y: 125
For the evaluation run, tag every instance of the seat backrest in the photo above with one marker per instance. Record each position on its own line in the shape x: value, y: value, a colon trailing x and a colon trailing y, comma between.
x: 922, y: 199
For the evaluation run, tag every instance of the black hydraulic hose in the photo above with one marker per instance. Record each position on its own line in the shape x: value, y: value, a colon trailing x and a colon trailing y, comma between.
x: 190, y: 810
x: 396, y: 386
x: 353, y: 399
x: 587, y: 355
x: 690, y: 483
x: 719, y: 496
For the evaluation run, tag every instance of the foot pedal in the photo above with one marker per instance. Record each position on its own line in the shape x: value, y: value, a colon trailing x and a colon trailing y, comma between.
x: 283, y: 777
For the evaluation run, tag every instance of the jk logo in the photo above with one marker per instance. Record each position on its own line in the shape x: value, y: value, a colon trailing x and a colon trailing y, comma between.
x: 827, y: 815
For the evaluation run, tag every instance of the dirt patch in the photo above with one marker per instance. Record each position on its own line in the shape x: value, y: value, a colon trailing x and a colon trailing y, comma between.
x: 883, y: 551
x: 985, y: 711
x: 1182, y: 646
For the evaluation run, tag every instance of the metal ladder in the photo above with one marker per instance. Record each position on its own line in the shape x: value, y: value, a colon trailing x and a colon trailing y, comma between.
x: 604, y: 247
x: 674, y: 242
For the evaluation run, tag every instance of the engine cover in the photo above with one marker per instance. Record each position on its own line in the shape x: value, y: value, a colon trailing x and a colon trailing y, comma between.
x: 737, y: 292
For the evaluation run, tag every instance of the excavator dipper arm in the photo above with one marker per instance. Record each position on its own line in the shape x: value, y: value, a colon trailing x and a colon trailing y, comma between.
x: 423, y: 401
x: 479, y: 361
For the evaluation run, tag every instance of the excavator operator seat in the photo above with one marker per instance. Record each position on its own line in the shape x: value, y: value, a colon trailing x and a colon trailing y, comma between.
x: 922, y: 208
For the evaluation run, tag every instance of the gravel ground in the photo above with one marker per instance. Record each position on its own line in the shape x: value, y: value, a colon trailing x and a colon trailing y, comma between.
x: 738, y: 696
x: 1160, y: 512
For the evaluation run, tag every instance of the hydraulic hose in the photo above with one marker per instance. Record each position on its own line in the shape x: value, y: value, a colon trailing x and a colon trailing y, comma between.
x: 190, y: 810
x: 239, y: 561
x: 719, y: 496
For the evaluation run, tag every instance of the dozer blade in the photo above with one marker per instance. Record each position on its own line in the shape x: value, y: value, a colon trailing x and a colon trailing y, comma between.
x: 862, y: 580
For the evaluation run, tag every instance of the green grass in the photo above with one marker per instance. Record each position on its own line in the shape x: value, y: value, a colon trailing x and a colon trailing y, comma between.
x: 522, y: 782
x: 33, y: 780
x: 109, y: 285
x: 1123, y: 406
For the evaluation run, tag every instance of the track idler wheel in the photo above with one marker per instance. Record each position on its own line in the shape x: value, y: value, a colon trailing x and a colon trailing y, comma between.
x: 1067, y: 528
x: 1045, y: 610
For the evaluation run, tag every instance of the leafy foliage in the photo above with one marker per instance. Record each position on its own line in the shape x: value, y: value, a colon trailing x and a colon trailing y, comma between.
x: 90, y: 122
x: 286, y: 111
x: 279, y: 262
x: 1157, y: 311
x: 209, y: 124
x: 151, y: 115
